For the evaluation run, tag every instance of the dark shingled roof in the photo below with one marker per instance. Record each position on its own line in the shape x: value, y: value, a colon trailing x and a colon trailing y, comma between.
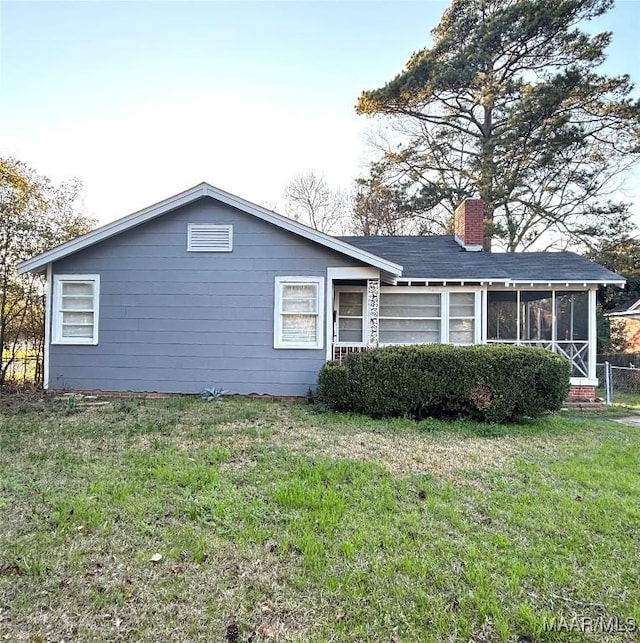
x: 441, y: 258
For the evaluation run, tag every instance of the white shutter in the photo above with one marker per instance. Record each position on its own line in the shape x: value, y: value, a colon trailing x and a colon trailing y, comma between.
x: 209, y: 238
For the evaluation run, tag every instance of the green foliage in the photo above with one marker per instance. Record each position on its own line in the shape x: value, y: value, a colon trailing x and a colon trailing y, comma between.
x: 213, y: 394
x: 488, y: 383
x: 35, y: 215
x: 71, y: 405
x: 333, y: 387
x: 508, y: 105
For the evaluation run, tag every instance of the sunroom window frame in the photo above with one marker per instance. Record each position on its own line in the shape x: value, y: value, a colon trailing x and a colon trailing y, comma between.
x: 58, y: 312
x: 280, y: 283
x: 554, y: 290
x: 476, y: 318
x: 444, y: 311
x: 361, y: 290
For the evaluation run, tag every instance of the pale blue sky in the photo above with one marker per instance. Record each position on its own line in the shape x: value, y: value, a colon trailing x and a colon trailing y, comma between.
x: 143, y: 99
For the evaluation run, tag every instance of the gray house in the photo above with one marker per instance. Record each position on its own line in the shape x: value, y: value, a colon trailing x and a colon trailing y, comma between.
x: 205, y: 289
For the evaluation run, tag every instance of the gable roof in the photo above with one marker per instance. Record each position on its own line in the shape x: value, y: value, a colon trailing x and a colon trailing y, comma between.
x: 628, y: 309
x: 428, y: 258
x: 39, y: 262
x: 441, y: 258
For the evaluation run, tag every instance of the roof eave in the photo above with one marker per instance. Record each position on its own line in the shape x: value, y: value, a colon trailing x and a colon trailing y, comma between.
x: 39, y: 262
x: 624, y: 313
x: 110, y: 229
x: 514, y: 282
x: 306, y: 232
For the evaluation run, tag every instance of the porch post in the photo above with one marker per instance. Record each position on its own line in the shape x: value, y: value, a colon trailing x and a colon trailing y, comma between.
x: 373, y: 312
x: 593, y: 335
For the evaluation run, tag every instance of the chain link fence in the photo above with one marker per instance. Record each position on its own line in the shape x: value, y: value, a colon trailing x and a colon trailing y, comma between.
x: 618, y: 384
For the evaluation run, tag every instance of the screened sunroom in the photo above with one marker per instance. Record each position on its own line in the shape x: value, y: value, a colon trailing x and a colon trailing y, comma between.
x: 560, y: 318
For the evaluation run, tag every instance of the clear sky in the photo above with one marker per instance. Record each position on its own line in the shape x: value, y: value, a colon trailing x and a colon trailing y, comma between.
x: 141, y: 100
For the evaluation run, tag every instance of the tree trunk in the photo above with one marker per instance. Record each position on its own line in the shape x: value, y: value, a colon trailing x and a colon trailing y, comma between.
x: 487, y: 176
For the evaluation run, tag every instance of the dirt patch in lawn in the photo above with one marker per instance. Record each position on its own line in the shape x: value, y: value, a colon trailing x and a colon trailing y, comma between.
x: 442, y: 456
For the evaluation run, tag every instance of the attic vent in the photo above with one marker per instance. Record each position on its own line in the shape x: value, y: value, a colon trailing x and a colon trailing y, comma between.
x: 209, y: 238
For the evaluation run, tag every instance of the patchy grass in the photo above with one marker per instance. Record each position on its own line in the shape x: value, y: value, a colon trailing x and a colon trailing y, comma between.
x: 302, y: 526
x: 622, y: 399
x: 626, y: 399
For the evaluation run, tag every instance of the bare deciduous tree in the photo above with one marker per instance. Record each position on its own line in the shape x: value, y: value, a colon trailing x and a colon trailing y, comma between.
x: 309, y: 200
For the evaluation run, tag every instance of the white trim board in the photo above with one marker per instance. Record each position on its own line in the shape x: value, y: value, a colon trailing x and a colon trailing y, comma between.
x: 501, y: 282
x: 188, y: 196
x: 48, y: 294
x: 334, y: 274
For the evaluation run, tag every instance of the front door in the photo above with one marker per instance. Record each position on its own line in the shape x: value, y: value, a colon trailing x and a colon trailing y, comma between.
x: 348, y: 319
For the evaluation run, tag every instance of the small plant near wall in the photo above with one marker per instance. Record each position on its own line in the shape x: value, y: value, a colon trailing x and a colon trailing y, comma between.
x: 71, y: 405
x: 213, y: 394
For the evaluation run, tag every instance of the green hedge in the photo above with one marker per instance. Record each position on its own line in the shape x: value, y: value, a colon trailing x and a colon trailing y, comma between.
x: 488, y: 383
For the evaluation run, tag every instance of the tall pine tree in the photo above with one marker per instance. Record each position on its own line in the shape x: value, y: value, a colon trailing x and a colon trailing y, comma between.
x: 508, y: 105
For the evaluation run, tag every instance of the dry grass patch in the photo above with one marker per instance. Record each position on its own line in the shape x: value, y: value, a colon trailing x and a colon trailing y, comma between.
x: 297, y: 526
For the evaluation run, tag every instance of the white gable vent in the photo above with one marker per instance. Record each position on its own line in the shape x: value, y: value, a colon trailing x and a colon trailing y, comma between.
x: 209, y: 238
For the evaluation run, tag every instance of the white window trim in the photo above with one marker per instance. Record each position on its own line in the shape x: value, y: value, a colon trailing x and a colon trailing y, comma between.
x: 477, y: 305
x: 554, y: 287
x: 444, y: 310
x: 57, y: 337
x: 336, y: 306
x: 554, y: 328
x: 277, y: 313
x: 206, y: 226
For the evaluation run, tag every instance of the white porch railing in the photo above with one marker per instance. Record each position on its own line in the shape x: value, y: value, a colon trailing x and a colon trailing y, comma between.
x: 577, y: 352
x: 341, y: 351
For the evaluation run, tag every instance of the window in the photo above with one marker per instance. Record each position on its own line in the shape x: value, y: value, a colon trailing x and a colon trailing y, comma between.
x: 350, y: 316
x: 527, y: 316
x: 410, y: 318
x: 209, y: 238
x: 75, y: 309
x: 298, y: 312
x: 462, y: 317
x: 536, y: 316
x: 572, y: 316
x: 428, y: 317
x: 502, y: 315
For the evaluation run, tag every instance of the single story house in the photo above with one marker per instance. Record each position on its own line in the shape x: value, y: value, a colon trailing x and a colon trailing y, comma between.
x: 627, y: 317
x: 205, y: 289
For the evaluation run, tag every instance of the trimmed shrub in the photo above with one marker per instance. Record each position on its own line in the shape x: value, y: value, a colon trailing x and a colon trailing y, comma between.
x: 488, y: 383
x: 333, y: 387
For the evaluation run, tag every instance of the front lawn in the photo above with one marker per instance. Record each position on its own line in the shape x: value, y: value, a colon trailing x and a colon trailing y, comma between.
x: 182, y: 520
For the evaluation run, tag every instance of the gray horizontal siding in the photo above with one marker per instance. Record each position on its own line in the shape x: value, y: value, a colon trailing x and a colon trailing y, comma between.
x: 180, y: 288
x: 148, y: 268
x: 174, y: 321
x: 272, y: 250
x: 217, y: 309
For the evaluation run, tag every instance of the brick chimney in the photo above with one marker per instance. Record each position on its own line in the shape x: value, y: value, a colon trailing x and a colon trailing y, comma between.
x: 468, y: 224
